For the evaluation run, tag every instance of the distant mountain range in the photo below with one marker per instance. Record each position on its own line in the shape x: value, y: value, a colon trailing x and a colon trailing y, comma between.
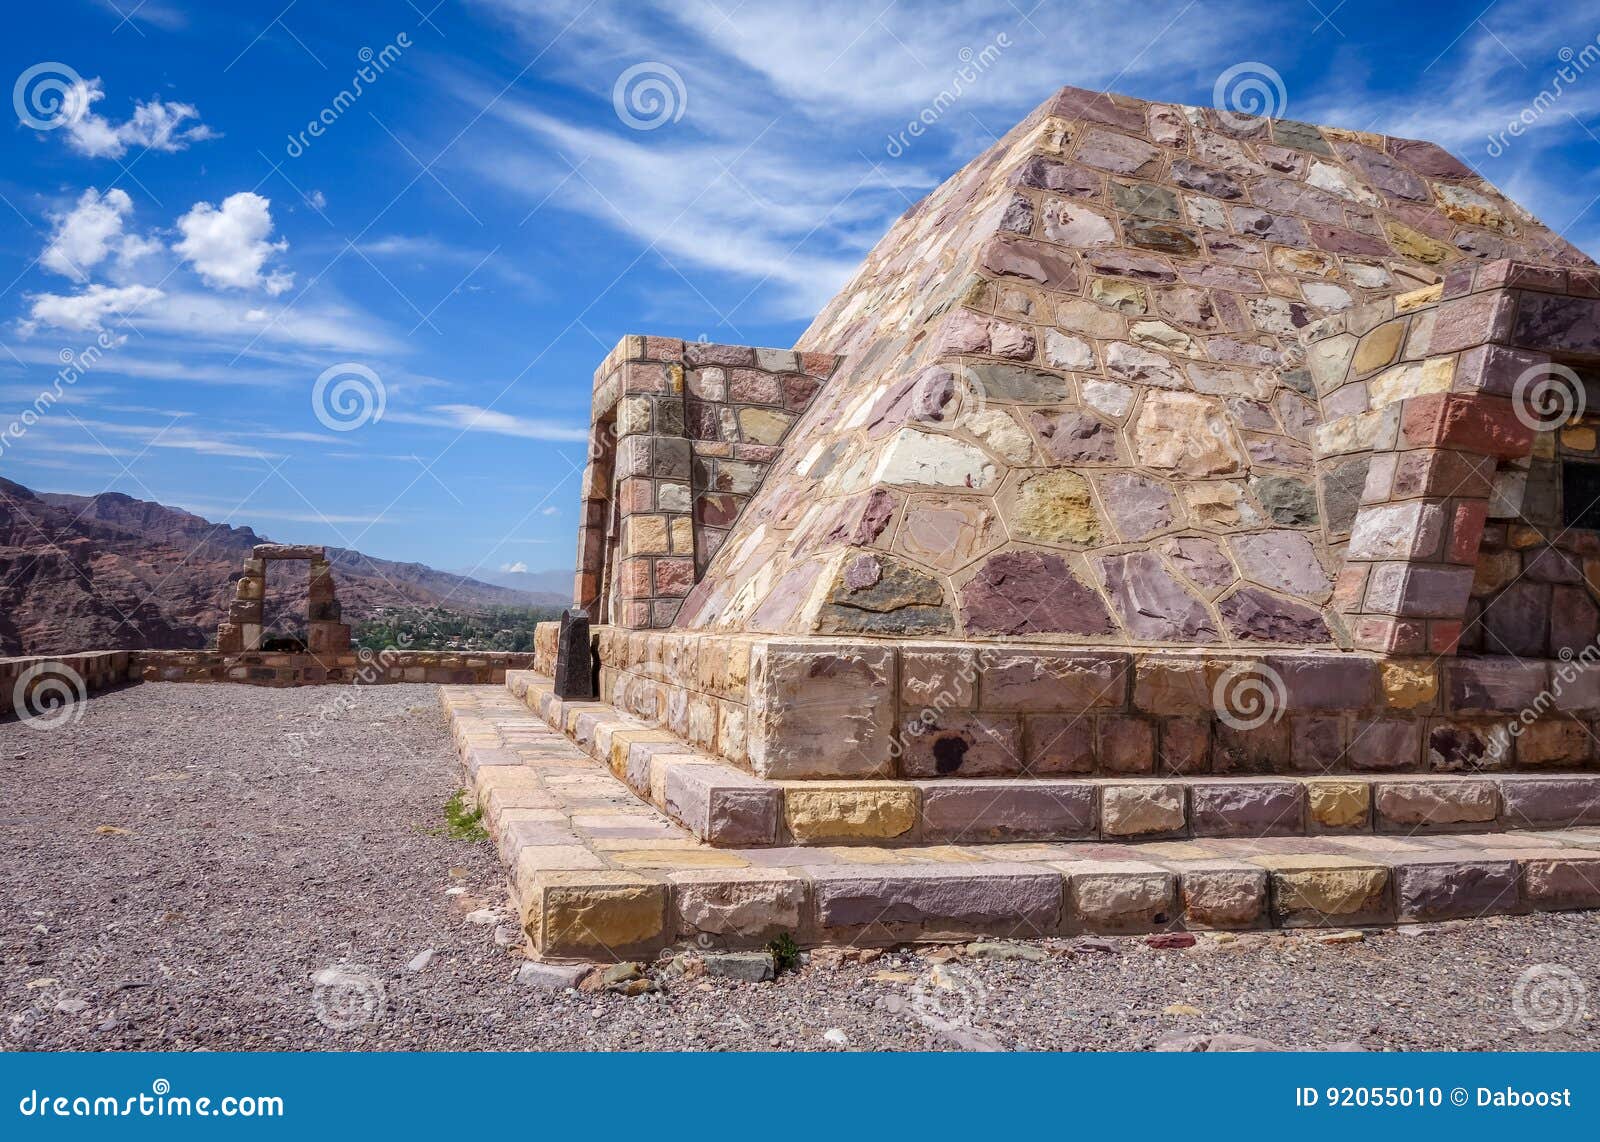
x: 110, y: 572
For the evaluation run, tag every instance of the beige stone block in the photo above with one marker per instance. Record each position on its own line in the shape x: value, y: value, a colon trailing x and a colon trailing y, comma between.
x: 754, y: 903
x: 1142, y: 810
x: 1316, y: 890
x: 1417, y: 298
x: 1378, y: 348
x: 1442, y: 803
x: 842, y: 811
x: 1337, y: 804
x: 1118, y: 896
x: 599, y: 915
x: 1222, y: 894
x: 647, y: 535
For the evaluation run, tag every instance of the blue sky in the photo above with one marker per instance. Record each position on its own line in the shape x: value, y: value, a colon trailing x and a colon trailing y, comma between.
x: 519, y: 183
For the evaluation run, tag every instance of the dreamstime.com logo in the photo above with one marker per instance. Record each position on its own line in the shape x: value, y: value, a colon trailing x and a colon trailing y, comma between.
x: 346, y: 997
x: 48, y: 695
x: 1248, y: 92
x: 48, y: 95
x: 1248, y: 695
x: 1549, y: 997
x: 649, y: 95
x: 157, y: 1102
x: 348, y: 396
x: 1547, y: 396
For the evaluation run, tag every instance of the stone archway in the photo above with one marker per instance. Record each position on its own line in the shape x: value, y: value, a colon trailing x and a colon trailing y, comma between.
x: 326, y: 633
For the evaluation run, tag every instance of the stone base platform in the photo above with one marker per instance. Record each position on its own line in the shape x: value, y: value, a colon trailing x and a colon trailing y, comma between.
x: 730, y: 808
x: 600, y: 874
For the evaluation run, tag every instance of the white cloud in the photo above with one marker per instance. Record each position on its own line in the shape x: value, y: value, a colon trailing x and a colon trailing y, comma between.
x: 155, y: 125
x: 87, y: 311
x: 90, y: 232
x: 551, y: 510
x: 228, y: 246
x: 472, y: 418
x: 517, y: 568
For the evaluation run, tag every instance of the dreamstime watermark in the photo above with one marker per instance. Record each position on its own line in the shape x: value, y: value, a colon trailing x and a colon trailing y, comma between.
x: 1572, y: 666
x: 1547, y: 396
x: 74, y: 366
x: 49, y: 95
x: 373, y: 65
x: 158, y: 1102
x: 973, y: 65
x: 1247, y: 93
x: 48, y: 695
x: 1549, y: 997
x: 1248, y: 695
x: 950, y: 1000
x: 649, y: 95
x: 348, y: 396
x: 348, y: 996
x: 374, y: 666
x: 1574, y: 65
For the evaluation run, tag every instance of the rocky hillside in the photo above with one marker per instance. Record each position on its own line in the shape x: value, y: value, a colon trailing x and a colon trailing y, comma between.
x: 112, y: 572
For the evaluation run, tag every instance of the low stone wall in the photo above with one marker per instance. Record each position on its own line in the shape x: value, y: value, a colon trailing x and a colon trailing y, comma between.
x: 28, y: 682
x: 793, y: 708
x: 260, y: 668
x: 24, y: 680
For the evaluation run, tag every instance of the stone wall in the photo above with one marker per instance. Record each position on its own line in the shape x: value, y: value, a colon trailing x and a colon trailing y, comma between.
x: 258, y: 668
x: 802, y: 709
x: 683, y: 434
x: 85, y: 673
x: 94, y: 671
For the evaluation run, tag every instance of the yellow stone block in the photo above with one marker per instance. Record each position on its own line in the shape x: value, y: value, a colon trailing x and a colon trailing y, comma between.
x: 763, y: 426
x: 839, y: 812
x: 1417, y: 298
x: 622, y: 739
x: 1521, y: 536
x: 647, y: 535
x: 683, y: 536
x: 1339, y: 804
x: 1415, y: 244
x: 1378, y: 347
x: 1407, y: 685
x: 1578, y: 439
x: 593, y: 915
x: 1332, y: 891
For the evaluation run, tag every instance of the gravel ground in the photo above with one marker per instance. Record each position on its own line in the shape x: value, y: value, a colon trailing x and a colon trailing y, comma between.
x: 175, y: 876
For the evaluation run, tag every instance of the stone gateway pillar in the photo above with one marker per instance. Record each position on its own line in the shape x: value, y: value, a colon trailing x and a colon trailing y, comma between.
x: 326, y: 634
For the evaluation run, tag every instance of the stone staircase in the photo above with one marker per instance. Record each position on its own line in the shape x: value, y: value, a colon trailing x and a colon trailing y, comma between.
x: 622, y: 840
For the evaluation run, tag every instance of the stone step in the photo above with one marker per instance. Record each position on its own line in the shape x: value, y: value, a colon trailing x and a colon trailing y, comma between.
x: 601, y: 875
x: 730, y: 808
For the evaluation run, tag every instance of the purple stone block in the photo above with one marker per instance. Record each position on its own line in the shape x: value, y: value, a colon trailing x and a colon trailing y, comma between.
x: 1011, y: 810
x: 1219, y: 808
x: 1445, y: 887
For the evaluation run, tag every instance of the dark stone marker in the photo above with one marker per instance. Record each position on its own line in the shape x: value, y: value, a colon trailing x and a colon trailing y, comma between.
x: 574, y: 667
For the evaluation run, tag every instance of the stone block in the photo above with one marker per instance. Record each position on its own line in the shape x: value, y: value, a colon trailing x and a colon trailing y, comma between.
x: 1556, y: 883
x: 1435, y: 806
x: 1222, y: 894
x: 1453, y: 886
x: 1318, y: 891
x: 821, y: 712
x: 594, y: 915
x: 1053, y: 682
x: 937, y: 679
x: 888, y: 904
x: 818, y: 812
x: 1219, y: 807
x: 1119, y: 896
x: 747, y: 905
x: 1147, y: 809
x: 973, y: 811
x: 721, y: 805
x: 957, y: 743
x: 1494, y: 685
x: 1546, y: 802
x: 1333, y: 805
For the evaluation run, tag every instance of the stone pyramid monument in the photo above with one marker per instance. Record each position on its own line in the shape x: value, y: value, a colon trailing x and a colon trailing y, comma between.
x: 1179, y: 519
